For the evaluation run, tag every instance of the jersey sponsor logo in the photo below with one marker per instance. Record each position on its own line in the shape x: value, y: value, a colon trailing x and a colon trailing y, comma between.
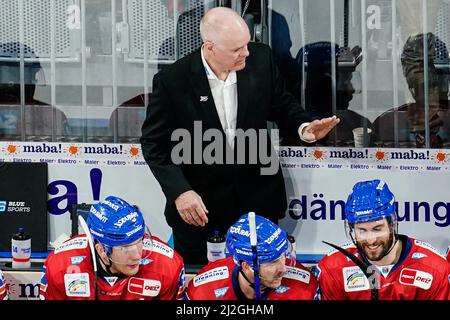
x: 428, y: 246
x: 354, y: 279
x: 162, y: 249
x: 144, y: 287
x: 145, y: 262
x: 215, y: 274
x: 418, y: 255
x: 77, y: 284
x: 416, y: 278
x: 77, y: 259
x: 111, y: 294
x: 219, y: 293
x: 297, y: 274
x: 281, y: 289
x: 148, y: 244
x: 72, y: 244
x: 111, y: 280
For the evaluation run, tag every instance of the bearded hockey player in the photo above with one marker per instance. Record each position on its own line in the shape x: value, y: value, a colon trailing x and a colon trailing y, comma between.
x: 131, y: 264
x: 380, y: 264
x: 279, y: 277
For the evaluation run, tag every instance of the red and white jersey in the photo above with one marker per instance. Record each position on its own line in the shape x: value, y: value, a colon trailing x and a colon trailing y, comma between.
x: 448, y: 254
x: 422, y: 273
x: 218, y: 280
x: 3, y: 292
x: 68, y: 274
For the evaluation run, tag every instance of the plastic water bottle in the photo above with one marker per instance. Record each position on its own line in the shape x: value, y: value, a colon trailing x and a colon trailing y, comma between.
x: 21, y: 249
x: 216, y: 246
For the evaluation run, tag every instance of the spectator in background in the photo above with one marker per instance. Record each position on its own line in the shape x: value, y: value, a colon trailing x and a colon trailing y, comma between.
x: 380, y: 264
x: 315, y: 88
x: 39, y: 117
x: 281, y: 276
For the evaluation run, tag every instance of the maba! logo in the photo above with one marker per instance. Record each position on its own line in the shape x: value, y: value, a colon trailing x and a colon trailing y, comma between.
x: 319, y: 154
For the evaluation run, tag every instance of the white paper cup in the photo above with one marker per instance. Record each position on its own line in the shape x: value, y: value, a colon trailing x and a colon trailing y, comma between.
x: 358, y: 136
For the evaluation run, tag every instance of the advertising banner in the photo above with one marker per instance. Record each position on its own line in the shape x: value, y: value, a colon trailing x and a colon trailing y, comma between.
x: 318, y: 181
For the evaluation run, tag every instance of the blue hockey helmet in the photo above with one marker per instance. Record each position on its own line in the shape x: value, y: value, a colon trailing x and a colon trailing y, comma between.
x: 272, y: 241
x: 114, y: 222
x: 370, y: 201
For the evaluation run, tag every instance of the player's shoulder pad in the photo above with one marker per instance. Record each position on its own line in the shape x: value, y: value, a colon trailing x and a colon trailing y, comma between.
x: 161, y: 247
x: 76, y: 243
x: 219, y: 273
x: 298, y: 274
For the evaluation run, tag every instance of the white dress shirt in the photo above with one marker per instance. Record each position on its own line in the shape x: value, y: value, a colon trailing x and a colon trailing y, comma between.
x: 225, y: 97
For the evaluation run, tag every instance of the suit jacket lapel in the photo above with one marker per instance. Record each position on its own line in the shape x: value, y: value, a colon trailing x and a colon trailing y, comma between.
x: 243, y: 87
x: 202, y: 92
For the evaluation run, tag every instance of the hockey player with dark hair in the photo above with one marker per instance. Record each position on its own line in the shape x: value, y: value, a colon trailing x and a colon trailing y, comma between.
x: 3, y: 292
x: 380, y: 264
x: 122, y: 262
x: 275, y: 276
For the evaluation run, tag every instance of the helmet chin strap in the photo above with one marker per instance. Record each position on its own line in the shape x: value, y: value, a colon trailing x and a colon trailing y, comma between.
x: 252, y: 284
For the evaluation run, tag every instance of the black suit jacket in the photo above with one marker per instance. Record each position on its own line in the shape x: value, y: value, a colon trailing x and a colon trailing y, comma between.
x: 228, y: 190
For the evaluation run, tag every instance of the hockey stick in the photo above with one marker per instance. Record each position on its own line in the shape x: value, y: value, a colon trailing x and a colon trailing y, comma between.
x: 253, y: 243
x: 85, y: 228
x: 364, y: 268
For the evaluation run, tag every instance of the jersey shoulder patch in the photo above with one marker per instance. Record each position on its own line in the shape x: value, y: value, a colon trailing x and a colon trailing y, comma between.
x: 427, y: 246
x: 162, y: 248
x: 72, y: 244
x: 354, y: 279
x: 77, y: 284
x: 297, y: 274
x: 215, y: 274
x: 417, y: 278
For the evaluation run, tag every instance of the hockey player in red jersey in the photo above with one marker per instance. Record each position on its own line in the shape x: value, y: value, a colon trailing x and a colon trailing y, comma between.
x: 380, y: 263
x: 3, y: 292
x: 232, y: 278
x: 131, y: 264
x: 448, y: 254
